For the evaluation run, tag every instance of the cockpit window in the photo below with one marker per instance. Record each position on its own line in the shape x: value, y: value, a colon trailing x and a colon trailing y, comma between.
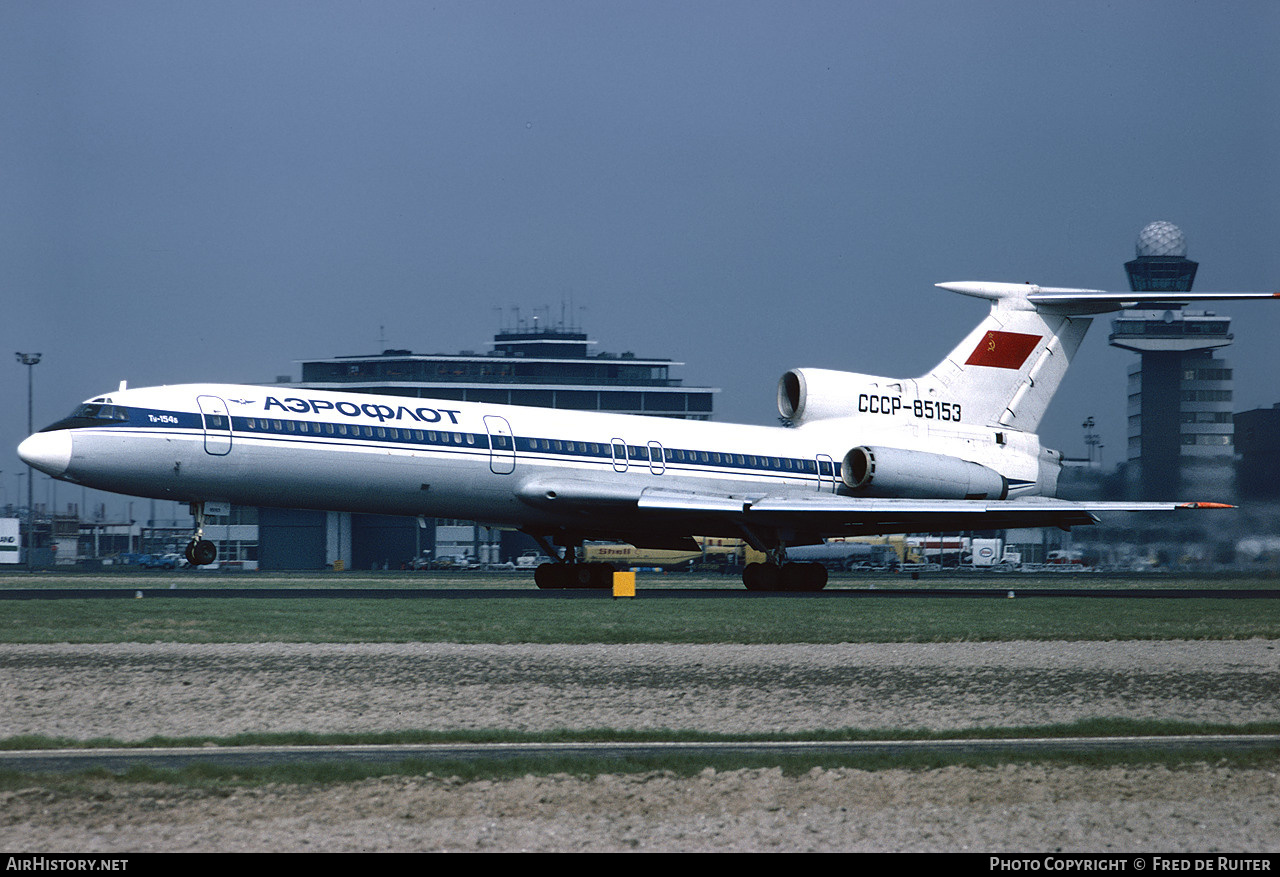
x: 101, y: 412
x: 91, y: 414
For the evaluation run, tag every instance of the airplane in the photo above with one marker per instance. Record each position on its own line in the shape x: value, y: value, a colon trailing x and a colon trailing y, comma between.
x: 955, y: 449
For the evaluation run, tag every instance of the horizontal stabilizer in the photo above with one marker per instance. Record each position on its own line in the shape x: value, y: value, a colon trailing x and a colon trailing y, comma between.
x: 1090, y: 301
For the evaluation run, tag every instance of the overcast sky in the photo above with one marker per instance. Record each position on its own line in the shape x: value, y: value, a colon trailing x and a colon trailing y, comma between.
x: 213, y: 191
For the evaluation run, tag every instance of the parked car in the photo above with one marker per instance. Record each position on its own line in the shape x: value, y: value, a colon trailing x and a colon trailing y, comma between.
x: 531, y: 560
x: 161, y: 561
x: 422, y: 561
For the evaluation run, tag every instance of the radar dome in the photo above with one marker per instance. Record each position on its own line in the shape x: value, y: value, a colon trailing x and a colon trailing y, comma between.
x: 1162, y: 239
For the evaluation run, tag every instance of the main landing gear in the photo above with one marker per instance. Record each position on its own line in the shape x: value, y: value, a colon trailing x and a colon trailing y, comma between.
x: 778, y: 575
x: 568, y: 572
x: 562, y: 574
x: 200, y: 551
x: 787, y: 577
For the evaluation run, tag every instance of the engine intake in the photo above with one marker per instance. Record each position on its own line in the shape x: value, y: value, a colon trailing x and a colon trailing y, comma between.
x: 897, y: 472
x: 806, y: 394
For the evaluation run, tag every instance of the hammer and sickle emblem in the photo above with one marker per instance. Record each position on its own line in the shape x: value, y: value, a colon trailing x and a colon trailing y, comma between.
x: 991, y: 343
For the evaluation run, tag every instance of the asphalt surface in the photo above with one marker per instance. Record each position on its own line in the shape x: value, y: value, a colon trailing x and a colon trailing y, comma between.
x: 830, y: 593
x: 120, y: 760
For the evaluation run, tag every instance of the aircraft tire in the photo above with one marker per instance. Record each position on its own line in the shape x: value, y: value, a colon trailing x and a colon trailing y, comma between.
x: 602, y: 576
x: 547, y: 576
x: 556, y: 576
x: 762, y: 577
x: 804, y: 577
x: 582, y: 575
x: 201, y: 552
x: 591, y: 576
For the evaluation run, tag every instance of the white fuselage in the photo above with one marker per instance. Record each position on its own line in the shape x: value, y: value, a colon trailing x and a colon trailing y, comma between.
x: 501, y: 465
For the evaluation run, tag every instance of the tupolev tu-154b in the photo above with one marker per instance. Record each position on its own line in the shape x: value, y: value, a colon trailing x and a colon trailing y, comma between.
x: 955, y: 449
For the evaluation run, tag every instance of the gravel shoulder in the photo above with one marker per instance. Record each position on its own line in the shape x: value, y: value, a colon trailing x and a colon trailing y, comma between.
x: 134, y: 691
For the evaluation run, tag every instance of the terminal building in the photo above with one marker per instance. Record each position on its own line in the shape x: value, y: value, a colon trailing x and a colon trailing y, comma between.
x: 549, y: 366
x: 544, y: 366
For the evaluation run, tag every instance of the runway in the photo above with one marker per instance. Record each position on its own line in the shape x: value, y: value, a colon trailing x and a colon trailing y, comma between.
x: 122, y: 759
x: 838, y: 593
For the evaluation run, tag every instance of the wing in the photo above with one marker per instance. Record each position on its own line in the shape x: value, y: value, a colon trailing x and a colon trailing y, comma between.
x: 769, y: 519
x: 846, y: 515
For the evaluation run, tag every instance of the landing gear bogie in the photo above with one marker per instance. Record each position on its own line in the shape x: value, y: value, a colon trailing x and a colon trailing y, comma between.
x: 787, y: 577
x: 593, y: 576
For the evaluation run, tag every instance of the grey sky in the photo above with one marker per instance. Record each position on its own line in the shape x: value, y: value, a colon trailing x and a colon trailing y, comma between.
x: 211, y: 191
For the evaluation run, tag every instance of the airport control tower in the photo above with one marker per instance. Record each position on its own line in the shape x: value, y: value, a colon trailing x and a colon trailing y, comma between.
x: 1180, y: 421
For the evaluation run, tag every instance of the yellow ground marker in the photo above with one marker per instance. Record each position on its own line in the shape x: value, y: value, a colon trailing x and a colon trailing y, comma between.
x: 624, y: 584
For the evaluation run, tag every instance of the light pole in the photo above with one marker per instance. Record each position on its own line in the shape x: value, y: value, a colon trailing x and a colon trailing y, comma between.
x: 1091, y: 440
x: 30, y: 360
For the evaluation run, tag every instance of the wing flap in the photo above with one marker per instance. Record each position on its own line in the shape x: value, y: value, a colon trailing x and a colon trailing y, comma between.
x: 827, y: 514
x: 688, y: 501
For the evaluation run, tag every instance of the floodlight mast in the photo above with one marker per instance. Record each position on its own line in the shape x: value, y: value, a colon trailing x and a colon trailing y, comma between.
x: 30, y: 360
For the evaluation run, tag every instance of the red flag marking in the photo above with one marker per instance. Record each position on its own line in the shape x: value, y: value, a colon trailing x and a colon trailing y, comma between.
x: 1003, y: 350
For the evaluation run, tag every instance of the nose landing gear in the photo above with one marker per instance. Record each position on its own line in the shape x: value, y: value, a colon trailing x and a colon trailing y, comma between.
x: 200, y: 551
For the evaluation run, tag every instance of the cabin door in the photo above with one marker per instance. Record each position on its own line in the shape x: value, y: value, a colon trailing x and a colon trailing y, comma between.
x: 826, y: 474
x: 217, y: 425
x: 502, y: 445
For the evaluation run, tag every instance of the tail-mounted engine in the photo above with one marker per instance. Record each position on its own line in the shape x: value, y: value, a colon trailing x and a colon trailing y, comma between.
x: 807, y: 394
x: 890, y: 472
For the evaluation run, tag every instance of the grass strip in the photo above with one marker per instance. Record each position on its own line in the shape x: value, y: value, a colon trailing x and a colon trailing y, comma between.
x: 1095, y: 727
x: 674, y: 620
x: 670, y: 764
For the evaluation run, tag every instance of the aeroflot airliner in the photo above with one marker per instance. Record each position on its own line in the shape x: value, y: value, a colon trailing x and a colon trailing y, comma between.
x: 955, y: 449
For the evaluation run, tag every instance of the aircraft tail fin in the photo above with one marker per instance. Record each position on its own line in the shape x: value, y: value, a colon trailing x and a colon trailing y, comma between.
x: 1006, y: 370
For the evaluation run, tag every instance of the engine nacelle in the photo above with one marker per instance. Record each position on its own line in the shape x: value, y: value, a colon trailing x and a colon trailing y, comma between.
x: 807, y: 394
x: 890, y: 472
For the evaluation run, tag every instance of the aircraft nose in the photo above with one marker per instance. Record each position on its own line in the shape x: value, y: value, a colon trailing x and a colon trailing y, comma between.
x: 50, y: 452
